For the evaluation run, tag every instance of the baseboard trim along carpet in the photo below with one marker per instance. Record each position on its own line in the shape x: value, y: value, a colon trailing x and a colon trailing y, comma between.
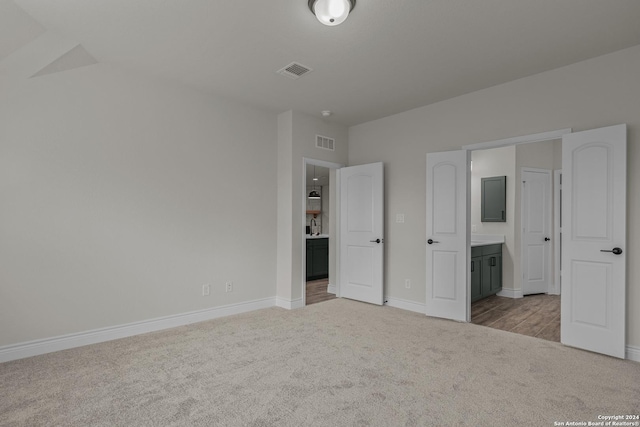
x: 64, y: 342
x: 633, y: 353
x: 404, y: 304
x: 289, y: 304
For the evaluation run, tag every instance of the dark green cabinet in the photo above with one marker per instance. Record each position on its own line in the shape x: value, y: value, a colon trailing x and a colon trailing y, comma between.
x: 317, y: 258
x: 486, y: 271
x: 493, y: 206
x: 476, y: 278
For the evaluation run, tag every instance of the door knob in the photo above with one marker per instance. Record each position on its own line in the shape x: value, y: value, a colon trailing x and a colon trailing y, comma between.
x: 546, y: 239
x: 375, y: 241
x: 431, y: 241
x: 615, y: 251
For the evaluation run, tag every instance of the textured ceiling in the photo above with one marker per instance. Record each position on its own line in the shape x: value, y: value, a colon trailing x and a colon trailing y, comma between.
x: 389, y: 56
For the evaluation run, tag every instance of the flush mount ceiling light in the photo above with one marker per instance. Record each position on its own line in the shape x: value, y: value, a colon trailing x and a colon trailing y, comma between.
x: 331, y: 12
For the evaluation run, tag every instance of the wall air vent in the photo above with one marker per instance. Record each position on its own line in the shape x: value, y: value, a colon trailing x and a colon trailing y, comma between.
x: 325, y: 143
x: 294, y: 70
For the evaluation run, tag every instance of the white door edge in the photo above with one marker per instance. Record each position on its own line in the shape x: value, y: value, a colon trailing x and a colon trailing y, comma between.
x: 557, y: 233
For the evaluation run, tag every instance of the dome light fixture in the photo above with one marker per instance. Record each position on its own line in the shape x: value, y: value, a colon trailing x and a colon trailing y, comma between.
x: 331, y: 12
x: 314, y: 194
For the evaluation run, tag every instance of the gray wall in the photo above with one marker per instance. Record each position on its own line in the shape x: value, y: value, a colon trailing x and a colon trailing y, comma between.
x: 599, y: 92
x: 122, y: 196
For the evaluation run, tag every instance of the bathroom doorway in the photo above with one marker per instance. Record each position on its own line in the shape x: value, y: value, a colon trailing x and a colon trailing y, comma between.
x: 319, y: 246
x: 534, y: 315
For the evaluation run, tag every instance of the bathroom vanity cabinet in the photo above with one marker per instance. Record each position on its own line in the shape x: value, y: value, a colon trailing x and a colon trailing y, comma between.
x: 486, y: 271
x: 317, y: 258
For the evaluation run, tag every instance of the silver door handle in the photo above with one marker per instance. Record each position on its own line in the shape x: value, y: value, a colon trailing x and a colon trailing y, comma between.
x: 431, y: 241
x: 615, y: 251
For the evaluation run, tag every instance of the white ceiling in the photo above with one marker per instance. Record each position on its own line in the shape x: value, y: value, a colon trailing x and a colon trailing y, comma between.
x: 389, y: 56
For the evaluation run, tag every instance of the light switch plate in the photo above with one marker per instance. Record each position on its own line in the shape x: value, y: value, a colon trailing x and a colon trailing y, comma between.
x: 400, y: 218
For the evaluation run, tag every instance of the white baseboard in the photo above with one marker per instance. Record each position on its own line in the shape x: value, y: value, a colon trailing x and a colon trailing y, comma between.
x: 331, y: 289
x: 633, y: 353
x: 289, y: 304
x: 511, y: 293
x: 405, y: 305
x: 64, y: 342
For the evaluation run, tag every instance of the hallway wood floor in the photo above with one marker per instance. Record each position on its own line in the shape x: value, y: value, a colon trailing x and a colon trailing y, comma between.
x: 534, y: 315
x: 317, y: 291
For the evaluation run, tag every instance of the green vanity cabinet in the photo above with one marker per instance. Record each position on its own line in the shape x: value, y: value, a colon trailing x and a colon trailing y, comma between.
x: 317, y: 258
x: 486, y: 271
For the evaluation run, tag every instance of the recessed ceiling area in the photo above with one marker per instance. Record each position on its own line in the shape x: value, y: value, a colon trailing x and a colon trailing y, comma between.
x: 388, y: 57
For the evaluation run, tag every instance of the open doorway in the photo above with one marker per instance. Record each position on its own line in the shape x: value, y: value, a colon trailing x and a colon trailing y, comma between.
x: 523, y: 296
x: 319, y: 222
x: 594, y: 189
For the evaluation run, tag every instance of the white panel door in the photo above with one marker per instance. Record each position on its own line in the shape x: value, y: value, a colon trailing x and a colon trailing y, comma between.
x: 536, y: 231
x: 594, y: 240
x: 448, y: 252
x: 362, y: 232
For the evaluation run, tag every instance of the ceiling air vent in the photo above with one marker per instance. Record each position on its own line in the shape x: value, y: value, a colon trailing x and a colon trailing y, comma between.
x: 295, y: 70
x: 325, y: 143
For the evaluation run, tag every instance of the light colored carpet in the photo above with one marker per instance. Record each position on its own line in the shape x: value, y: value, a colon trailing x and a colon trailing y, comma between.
x: 336, y: 363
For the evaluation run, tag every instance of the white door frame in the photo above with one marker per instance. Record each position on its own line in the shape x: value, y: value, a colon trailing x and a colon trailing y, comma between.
x: 335, y: 201
x: 557, y: 232
x: 523, y: 263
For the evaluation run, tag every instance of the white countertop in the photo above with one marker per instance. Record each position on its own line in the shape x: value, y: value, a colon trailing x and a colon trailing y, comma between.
x: 320, y: 236
x: 486, y: 239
